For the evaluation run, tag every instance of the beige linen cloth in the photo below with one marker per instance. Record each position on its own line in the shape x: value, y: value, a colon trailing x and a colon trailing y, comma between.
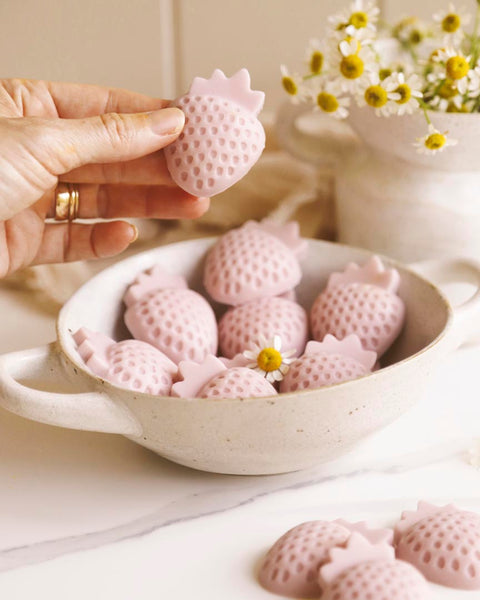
x: 278, y: 186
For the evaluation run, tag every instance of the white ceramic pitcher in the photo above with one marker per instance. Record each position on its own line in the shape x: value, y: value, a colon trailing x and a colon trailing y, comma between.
x: 389, y: 198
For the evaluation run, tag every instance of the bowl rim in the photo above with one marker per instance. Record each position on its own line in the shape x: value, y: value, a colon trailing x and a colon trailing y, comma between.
x: 62, y: 330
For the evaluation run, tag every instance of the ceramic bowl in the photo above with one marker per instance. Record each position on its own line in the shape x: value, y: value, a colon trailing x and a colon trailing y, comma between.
x: 250, y: 436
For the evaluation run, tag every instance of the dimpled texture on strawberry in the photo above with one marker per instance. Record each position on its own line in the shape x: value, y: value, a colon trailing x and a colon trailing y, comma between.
x: 238, y: 382
x: 291, y: 565
x: 241, y: 326
x: 372, y: 313
x: 249, y: 263
x: 315, y: 371
x: 379, y: 580
x: 179, y: 322
x: 445, y: 547
x: 222, y: 138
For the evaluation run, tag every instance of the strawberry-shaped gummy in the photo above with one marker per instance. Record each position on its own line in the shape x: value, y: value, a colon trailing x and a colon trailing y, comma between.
x: 361, y: 300
x: 328, y: 362
x: 162, y: 311
x: 222, y: 138
x: 129, y: 364
x: 365, y: 570
x: 241, y: 326
x: 292, y: 564
x: 212, y: 379
x: 443, y: 543
x: 254, y: 261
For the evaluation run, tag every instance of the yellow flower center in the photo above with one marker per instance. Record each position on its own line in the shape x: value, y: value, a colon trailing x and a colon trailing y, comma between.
x: 316, y: 62
x: 289, y: 86
x: 352, y: 66
x: 384, y: 73
x: 416, y: 36
x: 376, y: 96
x: 451, y: 23
x: 327, y: 102
x: 457, y: 67
x: 405, y: 92
x: 269, y: 360
x: 452, y: 108
x: 435, y: 141
x: 359, y: 20
x: 448, y: 90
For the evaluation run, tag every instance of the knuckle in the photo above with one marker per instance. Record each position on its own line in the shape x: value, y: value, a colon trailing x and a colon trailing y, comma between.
x: 119, y: 129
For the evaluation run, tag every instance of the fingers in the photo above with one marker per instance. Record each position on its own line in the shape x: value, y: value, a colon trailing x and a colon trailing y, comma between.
x: 147, y: 170
x: 74, y: 241
x: 137, y: 201
x: 75, y: 100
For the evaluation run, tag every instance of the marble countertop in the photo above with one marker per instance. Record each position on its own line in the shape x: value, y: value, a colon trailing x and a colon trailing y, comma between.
x: 87, y: 515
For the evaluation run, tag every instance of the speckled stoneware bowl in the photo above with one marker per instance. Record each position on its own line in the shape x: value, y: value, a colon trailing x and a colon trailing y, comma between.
x: 251, y: 436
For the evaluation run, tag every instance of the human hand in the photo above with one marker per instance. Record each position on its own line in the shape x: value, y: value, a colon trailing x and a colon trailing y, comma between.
x: 108, y: 143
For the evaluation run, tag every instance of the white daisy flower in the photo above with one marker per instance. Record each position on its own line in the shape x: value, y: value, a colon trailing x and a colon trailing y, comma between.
x: 293, y: 84
x: 450, y: 24
x: 362, y: 14
x: 354, y: 67
x: 455, y: 67
x: 327, y: 100
x: 315, y: 57
x: 268, y: 360
x: 407, y: 88
x: 434, y: 141
x: 377, y: 96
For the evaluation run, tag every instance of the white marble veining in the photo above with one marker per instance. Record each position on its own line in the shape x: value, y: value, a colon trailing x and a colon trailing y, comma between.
x: 94, y: 515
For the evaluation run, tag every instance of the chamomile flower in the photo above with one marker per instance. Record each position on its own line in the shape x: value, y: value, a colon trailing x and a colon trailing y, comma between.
x: 451, y: 23
x: 454, y: 66
x: 362, y: 14
x: 407, y: 88
x: 377, y: 96
x: 353, y: 67
x: 268, y: 360
x: 293, y: 85
x: 410, y: 31
x: 315, y: 57
x: 434, y: 141
x: 327, y: 100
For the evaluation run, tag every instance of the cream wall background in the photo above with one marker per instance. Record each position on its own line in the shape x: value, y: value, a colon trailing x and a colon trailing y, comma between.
x: 157, y: 46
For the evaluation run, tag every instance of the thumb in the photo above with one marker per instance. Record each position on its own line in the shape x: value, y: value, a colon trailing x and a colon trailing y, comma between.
x: 70, y: 143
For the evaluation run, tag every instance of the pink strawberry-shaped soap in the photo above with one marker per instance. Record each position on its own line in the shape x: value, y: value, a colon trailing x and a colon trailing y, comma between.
x: 254, y: 261
x: 361, y: 300
x: 241, y: 326
x: 365, y: 570
x: 212, y: 379
x: 162, y: 311
x: 129, y: 364
x: 222, y: 138
x: 292, y: 564
x: 328, y: 362
x: 443, y: 543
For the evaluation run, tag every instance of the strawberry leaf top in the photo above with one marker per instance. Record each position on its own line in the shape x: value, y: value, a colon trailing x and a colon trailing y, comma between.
x: 196, y: 375
x: 412, y: 517
x: 375, y: 536
x: 92, y: 347
x: 350, y: 346
x: 288, y: 233
x: 153, y: 279
x: 372, y: 272
x: 236, y: 89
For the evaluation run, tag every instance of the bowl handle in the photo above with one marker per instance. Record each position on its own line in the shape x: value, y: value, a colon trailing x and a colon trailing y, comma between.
x: 87, y: 409
x: 466, y: 321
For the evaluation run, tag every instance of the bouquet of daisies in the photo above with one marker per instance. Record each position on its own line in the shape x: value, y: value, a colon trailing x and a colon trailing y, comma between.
x: 436, y: 67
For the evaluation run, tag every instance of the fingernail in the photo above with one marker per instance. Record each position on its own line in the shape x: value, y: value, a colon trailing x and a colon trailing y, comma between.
x: 167, y: 121
x: 134, y: 234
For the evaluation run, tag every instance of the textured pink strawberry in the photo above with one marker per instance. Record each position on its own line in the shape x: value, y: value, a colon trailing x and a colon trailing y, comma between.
x: 361, y: 301
x: 129, y: 364
x: 222, y: 138
x: 368, y: 571
x: 176, y: 320
x: 254, y: 261
x: 212, y: 379
x: 443, y: 543
x: 292, y: 564
x: 328, y: 362
x: 241, y: 326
